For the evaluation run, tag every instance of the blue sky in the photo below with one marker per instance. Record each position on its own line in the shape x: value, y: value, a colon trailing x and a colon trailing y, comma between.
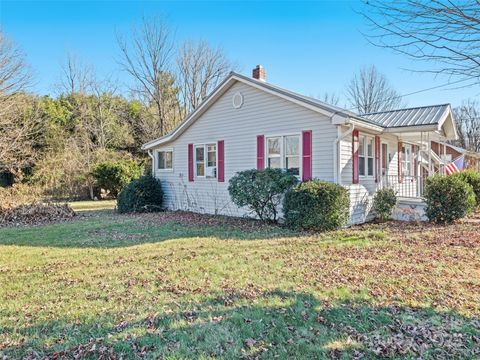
x: 308, y: 47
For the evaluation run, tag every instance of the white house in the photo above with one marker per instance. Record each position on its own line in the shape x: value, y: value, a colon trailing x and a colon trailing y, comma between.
x: 248, y: 123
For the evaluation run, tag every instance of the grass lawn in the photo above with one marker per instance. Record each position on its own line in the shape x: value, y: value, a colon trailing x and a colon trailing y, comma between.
x: 175, y: 285
x: 82, y: 206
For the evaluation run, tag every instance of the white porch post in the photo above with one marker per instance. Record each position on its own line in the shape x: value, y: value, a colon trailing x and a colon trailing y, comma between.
x: 443, y: 160
x: 430, y: 172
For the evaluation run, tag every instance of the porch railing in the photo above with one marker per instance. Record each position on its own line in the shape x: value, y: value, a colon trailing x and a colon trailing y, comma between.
x: 404, y: 186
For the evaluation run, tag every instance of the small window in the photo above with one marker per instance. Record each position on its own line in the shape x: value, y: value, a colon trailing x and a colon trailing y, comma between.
x: 366, y: 157
x: 206, y: 160
x: 283, y: 152
x: 165, y: 160
x: 406, y: 159
x: 200, y: 160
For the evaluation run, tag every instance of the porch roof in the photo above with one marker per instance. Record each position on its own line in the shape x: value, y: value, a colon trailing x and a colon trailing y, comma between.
x: 418, y: 116
x: 436, y: 118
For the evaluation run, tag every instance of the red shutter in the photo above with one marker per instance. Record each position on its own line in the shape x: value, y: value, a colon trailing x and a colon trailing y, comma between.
x: 221, y: 161
x: 307, y: 155
x: 399, y: 151
x: 260, y: 152
x: 190, y: 162
x: 377, y: 159
x: 355, y: 143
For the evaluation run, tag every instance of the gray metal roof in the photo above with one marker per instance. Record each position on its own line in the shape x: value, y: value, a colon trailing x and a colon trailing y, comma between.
x: 425, y: 115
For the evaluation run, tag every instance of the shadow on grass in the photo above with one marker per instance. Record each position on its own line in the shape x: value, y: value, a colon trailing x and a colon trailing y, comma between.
x: 108, y: 229
x: 248, y: 324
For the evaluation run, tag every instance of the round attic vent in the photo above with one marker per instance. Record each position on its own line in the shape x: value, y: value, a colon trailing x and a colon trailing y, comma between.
x: 237, y: 100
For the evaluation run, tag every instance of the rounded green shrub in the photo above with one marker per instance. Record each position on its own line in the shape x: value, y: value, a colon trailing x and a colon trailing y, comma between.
x: 316, y: 205
x: 114, y: 175
x: 448, y: 198
x: 473, y: 178
x: 384, y: 202
x: 261, y: 191
x: 144, y: 194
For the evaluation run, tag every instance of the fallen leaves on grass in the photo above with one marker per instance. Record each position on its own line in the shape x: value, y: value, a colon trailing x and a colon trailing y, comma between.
x: 35, y: 214
x: 408, y: 332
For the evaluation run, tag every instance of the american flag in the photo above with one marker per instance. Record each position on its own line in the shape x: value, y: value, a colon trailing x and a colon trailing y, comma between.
x: 455, y: 166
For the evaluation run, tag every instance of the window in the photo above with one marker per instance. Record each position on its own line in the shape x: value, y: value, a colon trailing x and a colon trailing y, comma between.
x: 274, y: 153
x: 165, y: 160
x: 406, y: 159
x: 366, y: 157
x: 211, y: 160
x: 283, y: 152
x: 206, y: 160
x: 385, y: 159
x: 292, y: 154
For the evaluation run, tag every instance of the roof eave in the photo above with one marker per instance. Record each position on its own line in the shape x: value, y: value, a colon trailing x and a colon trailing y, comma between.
x: 412, y: 128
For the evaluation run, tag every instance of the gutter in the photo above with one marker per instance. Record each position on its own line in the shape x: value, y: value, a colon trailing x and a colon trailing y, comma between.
x: 337, y: 178
x: 153, y: 161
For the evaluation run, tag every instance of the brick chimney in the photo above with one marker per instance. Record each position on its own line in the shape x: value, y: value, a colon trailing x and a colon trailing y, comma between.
x: 259, y: 73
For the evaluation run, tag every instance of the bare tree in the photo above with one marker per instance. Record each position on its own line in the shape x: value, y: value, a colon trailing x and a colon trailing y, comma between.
x: 330, y: 98
x: 19, y: 120
x: 76, y: 77
x: 445, y: 33
x: 148, y: 60
x: 14, y: 73
x: 369, y: 91
x: 467, y: 117
x: 201, y: 68
x: 20, y: 125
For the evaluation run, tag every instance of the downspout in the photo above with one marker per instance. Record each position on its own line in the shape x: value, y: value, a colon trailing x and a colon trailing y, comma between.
x: 336, y: 151
x: 153, y: 161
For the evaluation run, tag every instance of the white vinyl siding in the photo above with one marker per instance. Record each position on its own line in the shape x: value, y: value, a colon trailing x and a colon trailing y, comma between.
x: 260, y: 114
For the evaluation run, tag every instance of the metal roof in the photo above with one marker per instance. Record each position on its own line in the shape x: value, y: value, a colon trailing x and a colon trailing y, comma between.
x: 425, y: 115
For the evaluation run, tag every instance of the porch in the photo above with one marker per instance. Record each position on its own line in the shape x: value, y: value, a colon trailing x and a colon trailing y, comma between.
x: 417, y: 160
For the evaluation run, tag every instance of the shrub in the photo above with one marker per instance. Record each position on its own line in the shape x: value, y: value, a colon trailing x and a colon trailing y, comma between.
x: 261, y: 190
x: 384, y: 202
x: 316, y: 205
x: 473, y: 178
x: 448, y: 198
x: 141, y: 195
x: 114, y: 175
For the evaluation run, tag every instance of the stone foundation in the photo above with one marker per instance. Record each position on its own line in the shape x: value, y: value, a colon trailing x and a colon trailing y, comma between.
x: 409, y: 210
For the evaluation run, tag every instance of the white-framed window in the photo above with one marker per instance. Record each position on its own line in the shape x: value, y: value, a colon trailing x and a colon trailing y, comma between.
x: 406, y: 159
x: 206, y: 160
x: 366, y: 156
x: 283, y: 152
x: 165, y: 160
